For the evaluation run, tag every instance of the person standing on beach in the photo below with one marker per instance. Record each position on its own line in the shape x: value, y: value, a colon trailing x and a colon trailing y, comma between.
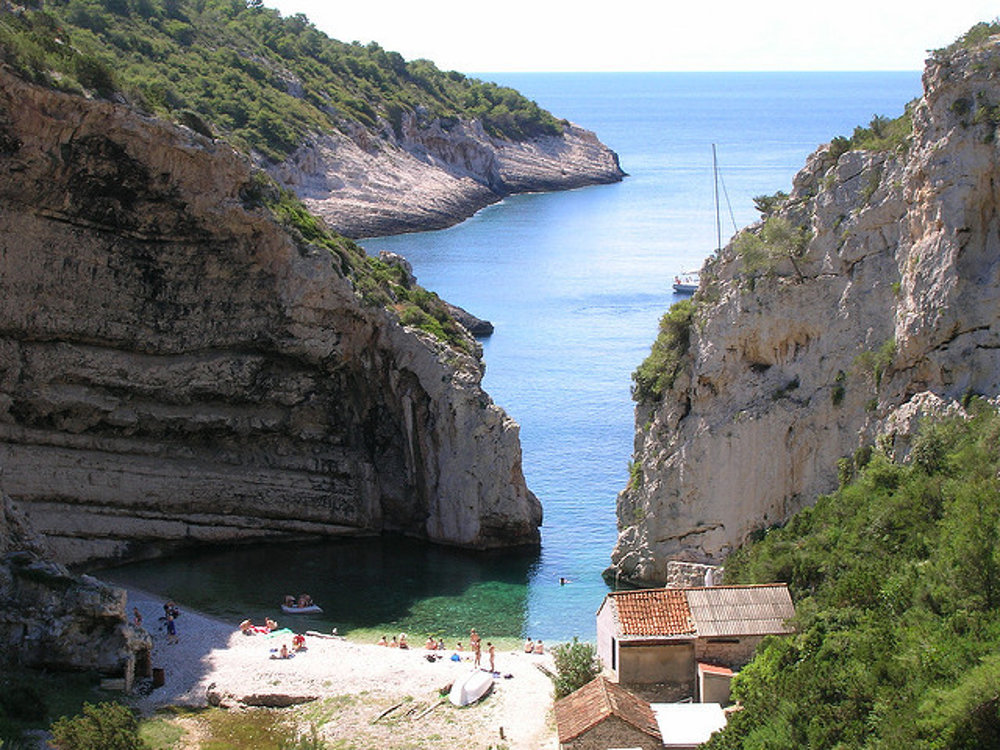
x: 492, y: 652
x: 477, y: 652
x: 171, y: 630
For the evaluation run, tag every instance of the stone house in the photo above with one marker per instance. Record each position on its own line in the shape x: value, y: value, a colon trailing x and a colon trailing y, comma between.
x: 601, y: 715
x: 656, y: 638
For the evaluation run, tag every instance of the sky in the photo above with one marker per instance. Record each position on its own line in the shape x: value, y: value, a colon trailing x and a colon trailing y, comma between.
x: 473, y: 36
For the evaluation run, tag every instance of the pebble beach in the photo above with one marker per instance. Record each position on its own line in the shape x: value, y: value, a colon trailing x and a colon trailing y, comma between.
x: 359, y: 693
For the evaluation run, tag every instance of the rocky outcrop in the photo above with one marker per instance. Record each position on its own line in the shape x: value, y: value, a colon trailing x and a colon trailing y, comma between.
x: 478, y: 327
x: 432, y: 175
x: 176, y: 368
x: 870, y: 297
x: 54, y: 620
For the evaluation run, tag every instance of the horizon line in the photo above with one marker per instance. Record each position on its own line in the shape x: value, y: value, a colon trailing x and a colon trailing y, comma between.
x: 696, y: 72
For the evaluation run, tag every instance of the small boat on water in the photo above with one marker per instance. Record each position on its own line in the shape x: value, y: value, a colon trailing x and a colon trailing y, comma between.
x: 294, y: 610
x: 686, y: 283
x: 470, y: 688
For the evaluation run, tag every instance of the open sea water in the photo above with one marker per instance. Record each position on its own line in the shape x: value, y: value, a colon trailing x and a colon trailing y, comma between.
x: 575, y: 283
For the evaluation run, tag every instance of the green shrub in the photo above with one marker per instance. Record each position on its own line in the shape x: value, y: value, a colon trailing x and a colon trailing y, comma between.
x: 760, y: 251
x: 896, y: 582
x: 104, y: 726
x: 576, y: 664
x: 658, y: 371
x: 264, y: 82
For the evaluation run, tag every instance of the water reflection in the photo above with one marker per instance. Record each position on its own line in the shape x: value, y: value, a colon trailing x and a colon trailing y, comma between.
x: 383, y: 583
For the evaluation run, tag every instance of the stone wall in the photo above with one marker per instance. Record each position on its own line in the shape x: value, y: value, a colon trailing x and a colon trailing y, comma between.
x: 612, y: 732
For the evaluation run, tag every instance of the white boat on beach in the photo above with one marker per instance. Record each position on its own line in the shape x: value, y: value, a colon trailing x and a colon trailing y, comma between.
x: 470, y: 688
x: 308, y: 610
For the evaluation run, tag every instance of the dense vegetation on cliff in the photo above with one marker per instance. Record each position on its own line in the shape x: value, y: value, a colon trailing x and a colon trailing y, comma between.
x: 240, y: 70
x: 896, y: 579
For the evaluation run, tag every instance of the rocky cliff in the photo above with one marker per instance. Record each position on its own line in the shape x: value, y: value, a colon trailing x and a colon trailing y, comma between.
x: 52, y: 619
x: 865, y: 299
x: 431, y: 176
x: 177, y: 367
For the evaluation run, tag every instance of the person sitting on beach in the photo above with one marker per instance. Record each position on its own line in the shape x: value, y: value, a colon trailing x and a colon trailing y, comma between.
x: 402, y: 641
x: 458, y: 646
x: 283, y: 654
x: 298, y: 642
x: 394, y: 643
x: 430, y: 645
x: 539, y: 648
x: 246, y: 627
x: 270, y: 624
x: 440, y: 644
x: 382, y: 642
x: 529, y: 646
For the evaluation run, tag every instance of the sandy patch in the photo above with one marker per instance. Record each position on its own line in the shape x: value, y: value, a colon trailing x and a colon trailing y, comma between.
x: 353, y: 684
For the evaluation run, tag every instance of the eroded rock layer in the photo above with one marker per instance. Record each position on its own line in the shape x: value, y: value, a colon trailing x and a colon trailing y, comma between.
x: 175, y: 369
x: 869, y: 297
x: 429, y: 176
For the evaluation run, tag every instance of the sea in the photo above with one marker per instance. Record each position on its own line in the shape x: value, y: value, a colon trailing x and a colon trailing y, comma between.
x: 575, y: 283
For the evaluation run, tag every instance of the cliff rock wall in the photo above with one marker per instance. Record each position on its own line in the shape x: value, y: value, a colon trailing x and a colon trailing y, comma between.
x: 175, y: 369
x: 52, y: 619
x: 429, y: 176
x: 869, y: 297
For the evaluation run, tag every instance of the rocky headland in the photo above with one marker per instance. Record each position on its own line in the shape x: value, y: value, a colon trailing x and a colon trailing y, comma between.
x: 432, y: 175
x: 178, y: 366
x: 865, y: 299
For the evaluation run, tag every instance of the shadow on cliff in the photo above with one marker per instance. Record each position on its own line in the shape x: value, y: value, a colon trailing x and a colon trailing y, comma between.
x: 388, y: 584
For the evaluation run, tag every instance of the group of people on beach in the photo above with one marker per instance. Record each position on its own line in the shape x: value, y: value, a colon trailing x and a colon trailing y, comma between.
x: 534, y: 647
x: 248, y: 628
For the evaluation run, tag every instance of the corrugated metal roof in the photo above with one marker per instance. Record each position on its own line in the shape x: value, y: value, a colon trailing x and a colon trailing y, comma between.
x: 652, y: 612
x: 596, y: 701
x: 740, y: 610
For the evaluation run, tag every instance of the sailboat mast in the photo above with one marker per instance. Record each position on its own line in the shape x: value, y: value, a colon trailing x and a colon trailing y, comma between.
x: 718, y: 223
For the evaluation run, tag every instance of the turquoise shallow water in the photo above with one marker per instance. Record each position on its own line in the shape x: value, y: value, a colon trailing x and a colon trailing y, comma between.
x: 575, y: 283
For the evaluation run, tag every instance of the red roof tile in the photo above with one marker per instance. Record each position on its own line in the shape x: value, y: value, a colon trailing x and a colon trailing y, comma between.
x: 653, y: 612
x: 600, y: 698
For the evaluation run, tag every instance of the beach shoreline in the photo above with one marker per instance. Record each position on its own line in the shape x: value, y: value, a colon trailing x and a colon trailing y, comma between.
x: 214, y: 664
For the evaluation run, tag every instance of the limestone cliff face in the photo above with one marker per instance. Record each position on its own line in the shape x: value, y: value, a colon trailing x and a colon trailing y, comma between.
x: 430, y: 176
x: 889, y: 310
x: 175, y: 369
x: 52, y: 619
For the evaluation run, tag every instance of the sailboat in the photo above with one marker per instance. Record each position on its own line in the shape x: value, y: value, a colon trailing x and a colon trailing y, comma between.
x: 687, y: 282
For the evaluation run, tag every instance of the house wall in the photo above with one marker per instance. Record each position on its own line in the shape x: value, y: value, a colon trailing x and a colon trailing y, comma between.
x: 732, y: 652
x: 714, y: 688
x: 612, y: 732
x: 606, y: 639
x: 660, y: 663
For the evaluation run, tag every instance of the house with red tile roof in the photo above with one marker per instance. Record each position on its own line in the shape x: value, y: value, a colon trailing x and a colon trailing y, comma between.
x: 657, y: 637
x: 602, y: 714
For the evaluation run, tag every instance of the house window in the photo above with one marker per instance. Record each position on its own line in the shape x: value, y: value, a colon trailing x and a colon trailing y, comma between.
x: 614, y: 654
